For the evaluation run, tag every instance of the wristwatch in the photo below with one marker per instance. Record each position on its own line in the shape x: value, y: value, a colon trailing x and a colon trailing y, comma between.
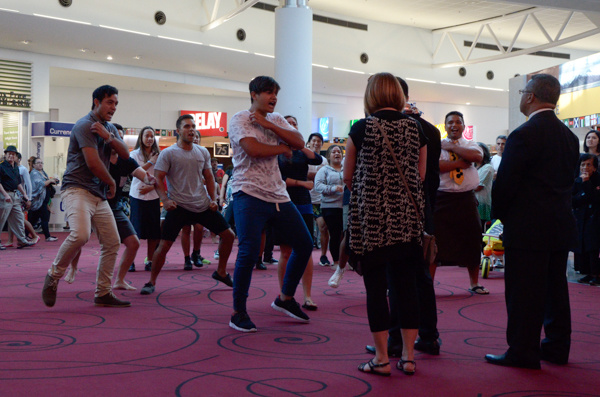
x: 110, y: 138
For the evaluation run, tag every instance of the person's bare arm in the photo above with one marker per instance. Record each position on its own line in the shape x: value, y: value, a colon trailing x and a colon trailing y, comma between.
x: 289, y: 136
x: 115, y: 143
x: 7, y: 198
x: 449, y: 165
x: 289, y: 182
x: 93, y: 162
x: 210, y: 188
x: 222, y: 192
x: 350, y: 163
x: 469, y: 154
x: 168, y: 204
x: 256, y: 149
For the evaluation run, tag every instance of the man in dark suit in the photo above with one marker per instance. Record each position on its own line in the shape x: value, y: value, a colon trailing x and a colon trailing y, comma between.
x: 532, y: 198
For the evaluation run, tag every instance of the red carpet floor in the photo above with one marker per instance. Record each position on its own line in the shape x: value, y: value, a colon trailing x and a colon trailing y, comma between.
x: 177, y: 342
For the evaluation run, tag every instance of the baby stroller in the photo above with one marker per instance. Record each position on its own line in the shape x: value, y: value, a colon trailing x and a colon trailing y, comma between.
x: 493, y: 252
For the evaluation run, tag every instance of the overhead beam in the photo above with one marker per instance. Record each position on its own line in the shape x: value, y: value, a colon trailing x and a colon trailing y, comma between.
x: 216, y: 22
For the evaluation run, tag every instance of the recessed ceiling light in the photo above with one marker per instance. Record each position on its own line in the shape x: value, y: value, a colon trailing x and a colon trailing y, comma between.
x: 468, y: 103
x: 62, y: 19
x: 137, y: 57
x: 109, y: 57
x: 25, y: 41
x: 83, y: 49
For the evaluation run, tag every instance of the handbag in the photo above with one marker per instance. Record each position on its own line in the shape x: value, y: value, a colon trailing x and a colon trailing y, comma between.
x: 428, y: 240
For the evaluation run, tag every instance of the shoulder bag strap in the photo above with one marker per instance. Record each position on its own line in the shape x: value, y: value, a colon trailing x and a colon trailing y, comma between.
x: 389, y: 145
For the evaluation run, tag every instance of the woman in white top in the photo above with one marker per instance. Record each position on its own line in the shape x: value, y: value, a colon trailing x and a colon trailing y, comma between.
x: 144, y: 201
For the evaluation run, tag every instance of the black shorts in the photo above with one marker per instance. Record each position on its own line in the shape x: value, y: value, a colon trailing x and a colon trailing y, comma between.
x: 124, y: 225
x: 179, y: 217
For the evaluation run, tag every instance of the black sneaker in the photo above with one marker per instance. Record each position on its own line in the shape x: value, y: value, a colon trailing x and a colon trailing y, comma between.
x: 188, y: 264
x: 291, y: 308
x: 595, y: 281
x: 324, y: 261
x: 132, y: 268
x: 432, y: 348
x: 147, y: 289
x: 110, y: 300
x: 242, y: 322
x: 271, y: 261
x: 586, y: 279
x: 225, y: 280
x: 147, y: 266
x: 49, y: 291
x: 197, y: 259
x: 260, y: 265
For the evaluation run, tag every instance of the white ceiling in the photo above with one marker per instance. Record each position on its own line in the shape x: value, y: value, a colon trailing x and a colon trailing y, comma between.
x: 60, y: 38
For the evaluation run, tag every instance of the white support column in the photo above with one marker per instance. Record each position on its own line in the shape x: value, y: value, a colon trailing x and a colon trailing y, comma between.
x: 293, y: 61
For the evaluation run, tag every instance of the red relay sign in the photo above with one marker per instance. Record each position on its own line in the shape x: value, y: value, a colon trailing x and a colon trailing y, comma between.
x: 209, y: 123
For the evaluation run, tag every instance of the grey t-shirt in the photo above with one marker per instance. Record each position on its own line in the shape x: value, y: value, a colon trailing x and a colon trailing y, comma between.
x: 184, y: 176
x: 77, y: 173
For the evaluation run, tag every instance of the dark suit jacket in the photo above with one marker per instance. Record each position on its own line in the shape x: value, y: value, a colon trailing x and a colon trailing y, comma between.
x: 532, y: 193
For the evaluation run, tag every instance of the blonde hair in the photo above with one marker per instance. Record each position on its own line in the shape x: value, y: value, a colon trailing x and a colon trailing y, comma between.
x: 383, y: 91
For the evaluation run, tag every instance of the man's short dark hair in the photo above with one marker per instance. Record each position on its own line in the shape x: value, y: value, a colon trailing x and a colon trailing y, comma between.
x: 403, y: 85
x: 102, y: 92
x: 501, y: 137
x: 455, y: 113
x: 183, y: 117
x: 546, y: 88
x: 263, y: 84
x: 119, y: 127
x: 19, y: 156
x: 318, y: 135
x: 588, y: 156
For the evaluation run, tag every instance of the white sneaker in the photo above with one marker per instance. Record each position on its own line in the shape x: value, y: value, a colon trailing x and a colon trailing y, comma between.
x: 334, y: 281
x: 216, y: 256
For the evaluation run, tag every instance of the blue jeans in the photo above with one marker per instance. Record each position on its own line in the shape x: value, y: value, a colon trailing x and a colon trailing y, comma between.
x: 250, y: 215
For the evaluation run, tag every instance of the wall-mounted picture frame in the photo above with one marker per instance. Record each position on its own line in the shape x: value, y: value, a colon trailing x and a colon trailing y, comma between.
x: 221, y: 149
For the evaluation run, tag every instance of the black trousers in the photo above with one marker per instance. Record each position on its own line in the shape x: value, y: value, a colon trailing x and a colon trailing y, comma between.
x: 395, y: 265
x: 43, y: 214
x: 537, y: 295
x: 334, y: 218
x: 587, y: 263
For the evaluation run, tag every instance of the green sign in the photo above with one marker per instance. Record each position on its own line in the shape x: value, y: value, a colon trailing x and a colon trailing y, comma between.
x: 15, y: 84
x: 11, y: 136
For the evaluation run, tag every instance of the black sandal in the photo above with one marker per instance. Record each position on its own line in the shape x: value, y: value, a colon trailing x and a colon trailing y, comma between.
x: 371, y: 365
x: 401, y: 363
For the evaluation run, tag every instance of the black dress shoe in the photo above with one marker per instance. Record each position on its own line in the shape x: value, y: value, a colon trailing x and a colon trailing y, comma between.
x: 552, y: 359
x: 260, y: 266
x: 507, y: 362
x: 393, y: 351
x: 432, y: 348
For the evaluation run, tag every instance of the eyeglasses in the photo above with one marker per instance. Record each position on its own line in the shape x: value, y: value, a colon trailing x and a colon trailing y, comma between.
x: 521, y: 92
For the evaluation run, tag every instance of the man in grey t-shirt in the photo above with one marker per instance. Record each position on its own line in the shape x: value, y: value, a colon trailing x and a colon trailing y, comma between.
x: 86, y: 186
x: 188, y: 202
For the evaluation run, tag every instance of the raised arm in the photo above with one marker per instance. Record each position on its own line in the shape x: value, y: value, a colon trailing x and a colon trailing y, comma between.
x: 289, y: 136
x: 256, y: 149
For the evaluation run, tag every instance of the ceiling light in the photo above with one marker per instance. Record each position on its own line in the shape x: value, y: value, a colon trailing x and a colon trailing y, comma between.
x: 137, y: 57
x: 488, y: 88
x: 109, y: 57
x: 227, y: 48
x: 25, y: 41
x: 7, y: 9
x: 348, y: 70
x: 62, y: 19
x: 320, y: 66
x: 468, y: 103
x: 183, y: 41
x: 83, y: 49
x: 454, y: 84
x: 264, y: 55
x: 422, y: 81
x: 124, y: 30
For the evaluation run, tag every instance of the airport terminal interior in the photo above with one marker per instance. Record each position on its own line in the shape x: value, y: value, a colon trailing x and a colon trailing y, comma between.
x: 198, y: 57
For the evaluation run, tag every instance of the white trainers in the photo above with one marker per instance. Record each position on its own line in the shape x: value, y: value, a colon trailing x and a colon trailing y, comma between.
x: 334, y: 281
x: 216, y: 255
